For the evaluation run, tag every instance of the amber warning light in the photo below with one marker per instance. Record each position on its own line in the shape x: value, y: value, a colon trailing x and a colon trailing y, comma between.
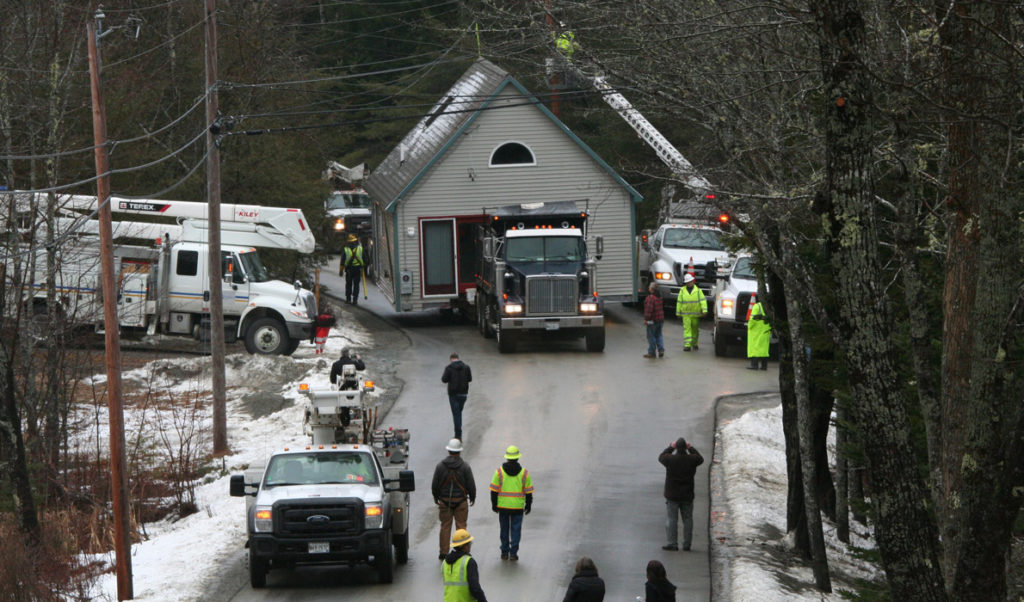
x: 723, y: 219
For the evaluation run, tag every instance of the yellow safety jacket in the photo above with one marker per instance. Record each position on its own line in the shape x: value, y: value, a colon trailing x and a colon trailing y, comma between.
x: 456, y: 583
x: 566, y: 44
x: 759, y: 333
x: 354, y: 259
x: 691, y: 302
x: 511, y: 490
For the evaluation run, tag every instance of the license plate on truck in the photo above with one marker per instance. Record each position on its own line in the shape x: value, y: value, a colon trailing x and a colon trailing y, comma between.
x: 551, y: 326
x: 319, y: 547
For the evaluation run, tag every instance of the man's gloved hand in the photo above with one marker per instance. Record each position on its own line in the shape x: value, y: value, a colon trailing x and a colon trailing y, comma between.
x: 526, y: 510
x: 494, y: 508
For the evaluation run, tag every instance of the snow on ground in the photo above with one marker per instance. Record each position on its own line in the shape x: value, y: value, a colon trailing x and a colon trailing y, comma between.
x: 761, y: 565
x: 195, y: 546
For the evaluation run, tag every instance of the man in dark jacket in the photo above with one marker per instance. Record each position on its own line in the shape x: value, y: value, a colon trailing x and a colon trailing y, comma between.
x: 458, y: 376
x: 680, y: 467
x: 454, y: 492
x: 337, y: 369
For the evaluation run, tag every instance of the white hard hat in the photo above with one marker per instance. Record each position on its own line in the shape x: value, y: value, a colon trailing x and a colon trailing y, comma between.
x: 687, y: 279
x: 454, y: 446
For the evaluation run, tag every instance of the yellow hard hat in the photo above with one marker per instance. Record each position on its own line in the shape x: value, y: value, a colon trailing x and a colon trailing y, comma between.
x: 352, y: 238
x: 512, y: 453
x: 461, y: 537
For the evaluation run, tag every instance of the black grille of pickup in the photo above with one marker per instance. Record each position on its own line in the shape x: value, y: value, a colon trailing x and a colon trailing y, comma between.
x: 551, y: 295
x: 742, y: 305
x: 357, y: 223
x: 326, y: 517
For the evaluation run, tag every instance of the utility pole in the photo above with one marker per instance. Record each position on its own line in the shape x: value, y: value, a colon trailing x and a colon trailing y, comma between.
x: 220, y: 426
x: 118, y: 464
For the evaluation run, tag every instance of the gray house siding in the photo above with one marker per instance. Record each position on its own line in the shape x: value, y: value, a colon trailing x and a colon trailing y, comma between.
x: 463, y: 183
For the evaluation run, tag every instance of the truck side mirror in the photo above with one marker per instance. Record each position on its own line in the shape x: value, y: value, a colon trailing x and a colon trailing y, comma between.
x: 488, y: 248
x: 406, y: 480
x: 598, y: 247
x: 237, y: 485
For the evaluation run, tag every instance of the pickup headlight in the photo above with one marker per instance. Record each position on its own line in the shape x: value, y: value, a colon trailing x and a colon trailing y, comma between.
x: 513, y: 308
x: 727, y: 309
x: 667, y: 276
x: 263, y: 520
x: 374, y: 516
x: 588, y: 307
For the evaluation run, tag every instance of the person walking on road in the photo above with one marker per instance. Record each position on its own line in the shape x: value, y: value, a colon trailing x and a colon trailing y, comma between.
x: 338, y: 369
x: 585, y: 586
x: 458, y: 376
x: 680, y: 467
x: 759, y: 335
x: 658, y: 588
x: 654, y: 320
x: 460, y: 573
x: 691, y: 305
x: 454, y: 492
x: 352, y: 262
x: 511, y: 498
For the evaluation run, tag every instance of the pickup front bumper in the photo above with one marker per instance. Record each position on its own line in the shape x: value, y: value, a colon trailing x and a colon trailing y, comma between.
x: 370, y: 543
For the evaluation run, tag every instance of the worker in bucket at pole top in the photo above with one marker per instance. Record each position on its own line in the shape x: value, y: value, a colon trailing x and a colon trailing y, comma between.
x: 691, y: 305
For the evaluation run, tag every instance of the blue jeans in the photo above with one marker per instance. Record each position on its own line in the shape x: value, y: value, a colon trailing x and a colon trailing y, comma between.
x: 654, y: 338
x: 457, y: 401
x: 671, y: 522
x: 511, y: 530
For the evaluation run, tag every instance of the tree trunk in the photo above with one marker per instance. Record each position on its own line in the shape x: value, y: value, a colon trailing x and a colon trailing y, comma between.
x: 905, y: 532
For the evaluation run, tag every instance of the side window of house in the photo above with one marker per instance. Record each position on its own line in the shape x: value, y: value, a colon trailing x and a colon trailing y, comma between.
x: 188, y: 263
x: 512, y: 153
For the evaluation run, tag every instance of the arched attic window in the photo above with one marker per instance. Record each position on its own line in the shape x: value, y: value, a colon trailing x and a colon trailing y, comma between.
x: 512, y: 153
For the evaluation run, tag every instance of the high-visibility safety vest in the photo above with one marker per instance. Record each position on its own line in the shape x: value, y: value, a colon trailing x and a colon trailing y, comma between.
x: 511, y: 490
x: 354, y: 259
x: 759, y: 333
x: 691, y: 302
x: 566, y: 43
x: 456, y: 584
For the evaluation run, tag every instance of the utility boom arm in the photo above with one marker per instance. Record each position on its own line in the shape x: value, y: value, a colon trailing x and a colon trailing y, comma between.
x: 243, y: 225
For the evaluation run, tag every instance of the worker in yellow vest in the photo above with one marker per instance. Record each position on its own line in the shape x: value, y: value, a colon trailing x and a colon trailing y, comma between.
x: 691, y: 305
x: 352, y: 263
x: 460, y: 573
x: 511, y: 498
x: 759, y: 333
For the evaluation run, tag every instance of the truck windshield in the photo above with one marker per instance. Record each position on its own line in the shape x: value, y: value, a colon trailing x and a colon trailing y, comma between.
x: 253, y: 267
x: 321, y: 468
x: 544, y: 248
x: 693, y: 238
x: 348, y: 200
x: 744, y: 269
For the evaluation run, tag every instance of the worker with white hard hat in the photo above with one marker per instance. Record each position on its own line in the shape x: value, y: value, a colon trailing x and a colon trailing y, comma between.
x: 691, y: 305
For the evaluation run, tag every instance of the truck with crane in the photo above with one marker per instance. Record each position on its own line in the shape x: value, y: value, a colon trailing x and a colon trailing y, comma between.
x: 164, y: 288
x: 535, y: 275
x: 341, y: 499
x: 347, y: 208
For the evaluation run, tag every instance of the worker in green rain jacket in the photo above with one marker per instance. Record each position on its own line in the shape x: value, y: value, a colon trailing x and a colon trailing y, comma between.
x: 759, y: 333
x: 691, y: 305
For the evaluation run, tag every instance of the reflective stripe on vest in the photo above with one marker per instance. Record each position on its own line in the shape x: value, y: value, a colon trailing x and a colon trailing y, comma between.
x: 691, y: 303
x: 456, y: 585
x: 511, y: 494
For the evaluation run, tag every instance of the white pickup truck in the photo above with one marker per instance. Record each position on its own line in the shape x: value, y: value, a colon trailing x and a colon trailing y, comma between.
x: 735, y: 295
x: 675, y: 249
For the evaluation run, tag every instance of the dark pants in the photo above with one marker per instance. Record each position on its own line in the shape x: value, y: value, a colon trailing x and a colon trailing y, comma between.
x: 675, y: 511
x: 511, y: 530
x: 655, y: 339
x: 447, y: 515
x: 762, y: 360
x: 457, y: 401
x: 352, y: 276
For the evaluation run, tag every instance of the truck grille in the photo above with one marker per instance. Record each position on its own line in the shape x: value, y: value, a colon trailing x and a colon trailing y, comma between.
x: 742, y: 305
x: 357, y: 223
x: 551, y: 295
x: 305, y: 518
x: 310, y: 301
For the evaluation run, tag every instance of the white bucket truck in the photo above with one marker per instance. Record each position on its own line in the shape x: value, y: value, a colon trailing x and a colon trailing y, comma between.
x: 165, y: 287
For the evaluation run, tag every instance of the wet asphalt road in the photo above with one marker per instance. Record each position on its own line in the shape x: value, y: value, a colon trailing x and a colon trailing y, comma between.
x: 590, y: 427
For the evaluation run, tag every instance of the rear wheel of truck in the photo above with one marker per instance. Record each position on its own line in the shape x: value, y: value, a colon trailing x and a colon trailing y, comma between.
x: 401, y: 547
x: 257, y: 572
x: 266, y: 336
x: 385, y: 566
x: 595, y: 340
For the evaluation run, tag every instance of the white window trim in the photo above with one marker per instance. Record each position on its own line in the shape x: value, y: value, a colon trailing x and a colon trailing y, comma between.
x: 490, y: 159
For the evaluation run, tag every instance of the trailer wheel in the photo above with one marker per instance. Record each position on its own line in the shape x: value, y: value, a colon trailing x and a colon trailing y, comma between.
x: 257, y: 572
x: 385, y: 568
x: 266, y: 336
x: 401, y: 547
x: 506, y: 341
x: 595, y: 340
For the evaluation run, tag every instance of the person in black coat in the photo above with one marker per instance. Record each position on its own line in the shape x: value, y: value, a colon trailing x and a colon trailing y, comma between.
x: 337, y: 368
x: 680, y: 467
x: 457, y: 376
x: 658, y: 588
x: 585, y: 586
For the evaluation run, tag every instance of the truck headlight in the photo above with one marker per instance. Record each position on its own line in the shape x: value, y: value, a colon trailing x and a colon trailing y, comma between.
x: 513, y: 308
x: 263, y: 520
x: 374, y: 516
x: 339, y: 224
x: 728, y: 308
x: 588, y: 307
x: 299, y: 313
x: 667, y: 276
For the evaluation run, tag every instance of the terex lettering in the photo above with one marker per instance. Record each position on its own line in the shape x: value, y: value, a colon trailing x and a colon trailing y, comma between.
x: 136, y: 206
